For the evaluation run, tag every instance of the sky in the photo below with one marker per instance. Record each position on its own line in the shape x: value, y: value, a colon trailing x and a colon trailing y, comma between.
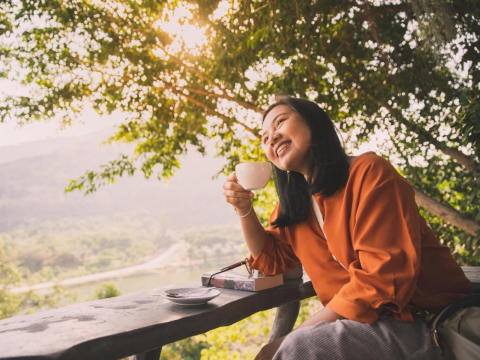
x: 13, y: 134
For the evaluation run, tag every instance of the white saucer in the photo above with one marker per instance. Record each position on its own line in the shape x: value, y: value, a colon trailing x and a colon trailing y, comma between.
x: 192, y: 299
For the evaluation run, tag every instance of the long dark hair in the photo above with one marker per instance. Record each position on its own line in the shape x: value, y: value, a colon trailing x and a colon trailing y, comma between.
x: 328, y: 169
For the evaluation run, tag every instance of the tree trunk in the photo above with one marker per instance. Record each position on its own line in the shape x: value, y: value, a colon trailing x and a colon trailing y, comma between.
x: 447, y: 213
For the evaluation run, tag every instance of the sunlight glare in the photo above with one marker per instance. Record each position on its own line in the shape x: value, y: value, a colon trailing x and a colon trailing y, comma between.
x: 223, y: 9
x: 185, y: 35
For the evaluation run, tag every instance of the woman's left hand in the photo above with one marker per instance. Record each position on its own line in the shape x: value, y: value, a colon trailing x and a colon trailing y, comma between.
x: 326, y: 314
x: 269, y: 350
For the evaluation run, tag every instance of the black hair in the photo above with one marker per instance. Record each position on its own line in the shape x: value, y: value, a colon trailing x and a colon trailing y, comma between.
x: 328, y: 170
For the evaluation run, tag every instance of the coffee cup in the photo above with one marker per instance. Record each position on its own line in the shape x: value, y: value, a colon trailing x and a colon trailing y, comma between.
x: 253, y: 175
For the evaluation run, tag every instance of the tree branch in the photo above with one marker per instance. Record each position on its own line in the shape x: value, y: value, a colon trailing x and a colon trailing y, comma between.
x: 447, y: 213
x: 455, y: 154
x: 221, y: 116
x: 225, y: 96
x: 463, y: 159
x: 210, y: 110
x: 192, y: 69
x: 262, y: 7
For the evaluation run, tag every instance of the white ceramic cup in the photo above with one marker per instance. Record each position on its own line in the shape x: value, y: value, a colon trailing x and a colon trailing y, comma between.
x: 253, y: 175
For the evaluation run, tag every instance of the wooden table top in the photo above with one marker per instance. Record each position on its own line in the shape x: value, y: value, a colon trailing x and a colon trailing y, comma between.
x: 134, y: 323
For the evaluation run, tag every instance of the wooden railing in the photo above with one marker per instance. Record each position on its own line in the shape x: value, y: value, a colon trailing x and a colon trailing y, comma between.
x: 140, y: 324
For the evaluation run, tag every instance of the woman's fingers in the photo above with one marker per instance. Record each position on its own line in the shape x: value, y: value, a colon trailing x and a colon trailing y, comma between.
x: 231, y: 183
x: 238, y: 194
x: 269, y: 350
x: 232, y: 177
x: 239, y: 200
x: 235, y: 194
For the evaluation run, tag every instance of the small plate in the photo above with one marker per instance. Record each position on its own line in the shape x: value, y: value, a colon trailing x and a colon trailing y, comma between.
x: 193, y: 299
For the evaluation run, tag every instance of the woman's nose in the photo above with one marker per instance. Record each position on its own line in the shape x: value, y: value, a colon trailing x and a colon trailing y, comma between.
x: 274, y: 138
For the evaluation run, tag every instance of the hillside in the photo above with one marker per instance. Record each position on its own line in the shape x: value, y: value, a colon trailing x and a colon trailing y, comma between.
x: 34, y: 175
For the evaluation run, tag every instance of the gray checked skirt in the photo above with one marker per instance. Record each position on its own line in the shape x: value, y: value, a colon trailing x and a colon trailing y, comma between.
x: 387, y: 339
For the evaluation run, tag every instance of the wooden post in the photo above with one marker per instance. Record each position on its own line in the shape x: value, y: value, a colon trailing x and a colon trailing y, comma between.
x: 284, y: 320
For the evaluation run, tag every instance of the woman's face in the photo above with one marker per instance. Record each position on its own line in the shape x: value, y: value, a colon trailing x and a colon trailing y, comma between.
x: 286, y: 139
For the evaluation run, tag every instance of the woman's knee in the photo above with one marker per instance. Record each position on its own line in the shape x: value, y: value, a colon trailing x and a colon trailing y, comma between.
x: 297, y: 345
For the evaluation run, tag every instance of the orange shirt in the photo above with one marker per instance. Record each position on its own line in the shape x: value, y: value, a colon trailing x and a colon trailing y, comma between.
x: 374, y: 229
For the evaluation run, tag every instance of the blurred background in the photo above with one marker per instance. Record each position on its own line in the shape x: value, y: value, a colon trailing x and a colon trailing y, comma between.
x: 120, y: 119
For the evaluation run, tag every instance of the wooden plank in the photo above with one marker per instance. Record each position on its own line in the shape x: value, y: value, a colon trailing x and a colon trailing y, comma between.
x: 285, y: 319
x: 139, y: 323
x: 132, y: 324
x: 473, y: 274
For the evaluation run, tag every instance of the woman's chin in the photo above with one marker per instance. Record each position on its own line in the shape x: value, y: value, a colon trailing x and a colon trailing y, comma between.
x: 285, y: 164
x: 285, y: 167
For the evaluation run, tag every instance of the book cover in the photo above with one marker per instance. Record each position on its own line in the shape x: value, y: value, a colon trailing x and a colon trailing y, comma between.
x: 240, y: 280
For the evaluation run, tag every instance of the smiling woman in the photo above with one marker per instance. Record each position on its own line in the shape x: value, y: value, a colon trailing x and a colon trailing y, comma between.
x: 353, y: 223
x: 301, y: 141
x: 287, y: 139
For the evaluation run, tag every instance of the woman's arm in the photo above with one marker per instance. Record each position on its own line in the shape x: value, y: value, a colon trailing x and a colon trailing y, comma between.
x: 241, y: 199
x: 386, y: 239
x: 326, y: 314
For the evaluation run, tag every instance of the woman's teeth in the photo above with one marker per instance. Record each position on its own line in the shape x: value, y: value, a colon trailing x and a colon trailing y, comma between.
x: 283, y: 146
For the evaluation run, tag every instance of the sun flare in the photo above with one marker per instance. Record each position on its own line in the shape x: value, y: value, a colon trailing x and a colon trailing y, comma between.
x: 185, y: 34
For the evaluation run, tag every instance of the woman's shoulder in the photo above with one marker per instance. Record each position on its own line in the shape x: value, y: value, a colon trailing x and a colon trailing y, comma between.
x: 372, y: 167
x: 369, y: 158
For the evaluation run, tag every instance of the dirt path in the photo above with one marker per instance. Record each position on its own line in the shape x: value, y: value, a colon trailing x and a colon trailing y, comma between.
x: 155, y: 263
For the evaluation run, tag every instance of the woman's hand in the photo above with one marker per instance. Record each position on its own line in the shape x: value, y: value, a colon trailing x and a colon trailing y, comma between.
x: 241, y: 199
x: 236, y: 195
x: 326, y: 314
x: 269, y: 350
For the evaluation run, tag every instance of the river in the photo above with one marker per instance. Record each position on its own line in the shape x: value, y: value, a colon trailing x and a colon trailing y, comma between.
x: 146, y: 280
x: 171, y: 267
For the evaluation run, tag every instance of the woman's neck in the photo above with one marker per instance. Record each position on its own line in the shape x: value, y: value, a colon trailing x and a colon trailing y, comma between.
x: 305, y: 173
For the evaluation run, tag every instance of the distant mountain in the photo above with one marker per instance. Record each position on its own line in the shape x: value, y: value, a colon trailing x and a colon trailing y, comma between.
x: 34, y: 175
x: 42, y: 147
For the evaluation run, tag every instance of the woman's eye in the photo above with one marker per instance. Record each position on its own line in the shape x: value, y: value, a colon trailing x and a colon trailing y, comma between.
x: 280, y: 121
x: 265, y: 139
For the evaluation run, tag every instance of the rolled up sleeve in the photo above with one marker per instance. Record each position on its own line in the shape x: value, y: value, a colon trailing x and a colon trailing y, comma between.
x: 386, y: 240
x: 277, y: 255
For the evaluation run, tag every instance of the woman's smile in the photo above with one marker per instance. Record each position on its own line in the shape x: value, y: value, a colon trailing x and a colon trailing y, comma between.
x: 282, y: 147
x: 286, y: 139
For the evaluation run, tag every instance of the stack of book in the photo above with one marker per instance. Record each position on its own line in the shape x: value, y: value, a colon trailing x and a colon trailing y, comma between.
x: 240, y: 279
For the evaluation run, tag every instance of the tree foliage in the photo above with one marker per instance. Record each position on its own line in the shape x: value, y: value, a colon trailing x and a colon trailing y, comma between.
x: 406, y: 69
x: 16, y: 303
x: 55, y: 250
x: 107, y: 290
x: 242, y: 340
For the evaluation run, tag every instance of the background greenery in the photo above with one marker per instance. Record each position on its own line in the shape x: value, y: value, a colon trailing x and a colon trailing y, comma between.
x: 67, y: 248
x: 74, y: 247
x: 404, y: 73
